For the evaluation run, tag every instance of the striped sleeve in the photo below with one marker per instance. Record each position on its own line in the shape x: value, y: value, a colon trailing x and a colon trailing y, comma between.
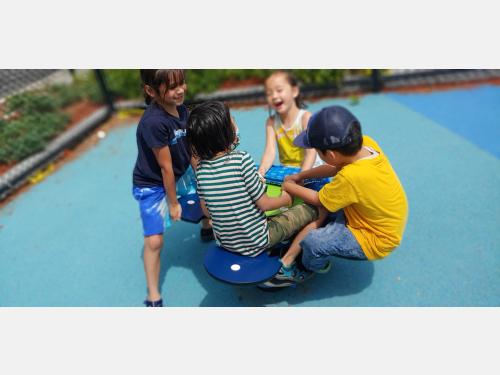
x: 199, y: 189
x: 253, y: 184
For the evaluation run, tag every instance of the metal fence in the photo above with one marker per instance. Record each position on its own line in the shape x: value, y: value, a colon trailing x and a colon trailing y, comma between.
x: 13, y: 81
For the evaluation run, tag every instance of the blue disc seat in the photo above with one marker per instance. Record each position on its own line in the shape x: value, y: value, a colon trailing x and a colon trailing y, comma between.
x: 234, y: 268
x: 191, y: 208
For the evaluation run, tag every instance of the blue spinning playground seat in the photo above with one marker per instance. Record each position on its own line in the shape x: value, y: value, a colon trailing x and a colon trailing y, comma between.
x: 191, y: 209
x: 238, y: 269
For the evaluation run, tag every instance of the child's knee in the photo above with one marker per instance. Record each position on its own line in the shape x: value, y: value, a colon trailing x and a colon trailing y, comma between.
x: 309, y: 242
x: 154, y: 243
x: 309, y: 260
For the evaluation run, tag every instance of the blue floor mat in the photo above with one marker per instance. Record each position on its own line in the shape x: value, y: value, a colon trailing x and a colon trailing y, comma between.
x: 473, y: 113
x: 75, y: 239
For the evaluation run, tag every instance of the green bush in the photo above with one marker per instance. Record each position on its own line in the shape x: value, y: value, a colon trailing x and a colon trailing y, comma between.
x: 320, y: 77
x: 86, y: 84
x: 64, y: 95
x: 126, y: 83
x: 209, y: 80
x: 25, y: 136
x: 28, y: 103
x: 37, y: 117
x: 203, y: 80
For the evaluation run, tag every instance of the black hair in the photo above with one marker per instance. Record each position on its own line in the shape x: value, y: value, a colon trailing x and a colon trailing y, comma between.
x: 210, y: 130
x: 354, y: 145
x: 156, y: 77
x: 294, y: 82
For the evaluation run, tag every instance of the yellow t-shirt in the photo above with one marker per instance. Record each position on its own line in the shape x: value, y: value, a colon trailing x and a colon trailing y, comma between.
x: 373, y: 200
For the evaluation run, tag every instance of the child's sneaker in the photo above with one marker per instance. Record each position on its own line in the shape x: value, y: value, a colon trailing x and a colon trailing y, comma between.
x: 158, y: 303
x: 293, y: 273
x: 275, y: 284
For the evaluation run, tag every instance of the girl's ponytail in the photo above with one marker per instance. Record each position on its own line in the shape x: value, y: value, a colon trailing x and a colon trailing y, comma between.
x: 292, y: 80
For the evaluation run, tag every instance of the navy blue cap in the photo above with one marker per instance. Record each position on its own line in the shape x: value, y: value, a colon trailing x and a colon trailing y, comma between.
x: 327, y: 129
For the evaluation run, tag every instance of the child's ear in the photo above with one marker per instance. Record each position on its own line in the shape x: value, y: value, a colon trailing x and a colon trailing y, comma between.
x: 150, y: 91
x: 331, y: 154
x: 295, y: 91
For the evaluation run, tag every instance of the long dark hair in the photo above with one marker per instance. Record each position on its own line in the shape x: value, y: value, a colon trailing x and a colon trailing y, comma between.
x: 210, y: 130
x: 156, y: 77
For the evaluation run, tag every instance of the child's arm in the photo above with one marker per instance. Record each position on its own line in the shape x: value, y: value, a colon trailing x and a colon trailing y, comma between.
x: 270, y: 148
x: 309, y: 159
x: 165, y: 161
x: 307, y: 195
x: 310, y: 153
x: 257, y: 189
x: 267, y: 203
x: 322, y: 171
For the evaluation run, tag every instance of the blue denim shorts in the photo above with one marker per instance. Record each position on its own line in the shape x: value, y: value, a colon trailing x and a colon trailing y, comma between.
x: 335, y: 239
x: 153, y: 205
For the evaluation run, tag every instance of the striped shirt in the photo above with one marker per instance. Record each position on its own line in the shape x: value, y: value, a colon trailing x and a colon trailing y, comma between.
x: 230, y: 186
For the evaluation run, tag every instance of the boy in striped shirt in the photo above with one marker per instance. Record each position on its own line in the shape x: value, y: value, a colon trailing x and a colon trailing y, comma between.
x: 232, y: 193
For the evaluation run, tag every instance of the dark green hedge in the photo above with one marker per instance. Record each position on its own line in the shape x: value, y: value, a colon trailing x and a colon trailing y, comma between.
x: 35, y: 119
x: 125, y: 83
x: 29, y: 134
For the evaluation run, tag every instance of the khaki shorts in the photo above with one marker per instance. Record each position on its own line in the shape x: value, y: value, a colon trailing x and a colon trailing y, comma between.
x: 286, y: 224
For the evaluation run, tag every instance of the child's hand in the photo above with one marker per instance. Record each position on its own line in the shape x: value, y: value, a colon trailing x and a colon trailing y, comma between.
x: 175, y: 211
x: 285, y: 186
x: 261, y: 174
x: 294, y: 178
x: 288, y: 196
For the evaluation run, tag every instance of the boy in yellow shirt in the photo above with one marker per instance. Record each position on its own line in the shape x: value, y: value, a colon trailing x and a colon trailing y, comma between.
x: 367, y: 204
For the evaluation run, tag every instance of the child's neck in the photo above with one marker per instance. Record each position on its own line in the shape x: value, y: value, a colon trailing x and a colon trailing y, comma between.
x: 289, y: 117
x: 171, y: 109
x: 362, y: 153
x: 219, y: 154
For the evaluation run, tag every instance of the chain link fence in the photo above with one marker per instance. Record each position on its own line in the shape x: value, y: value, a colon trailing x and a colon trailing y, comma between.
x: 13, y: 81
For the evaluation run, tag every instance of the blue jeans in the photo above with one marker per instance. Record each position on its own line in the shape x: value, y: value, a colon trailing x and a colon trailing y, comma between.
x: 335, y: 239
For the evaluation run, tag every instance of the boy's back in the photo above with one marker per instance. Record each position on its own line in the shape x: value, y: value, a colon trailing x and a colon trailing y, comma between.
x: 230, y: 186
x: 373, y: 200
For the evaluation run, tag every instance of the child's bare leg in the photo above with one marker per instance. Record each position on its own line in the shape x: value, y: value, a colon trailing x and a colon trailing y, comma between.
x: 152, y: 249
x: 206, y: 223
x: 295, y: 249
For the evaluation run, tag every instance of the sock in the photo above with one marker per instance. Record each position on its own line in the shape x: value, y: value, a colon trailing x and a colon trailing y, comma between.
x: 288, y: 268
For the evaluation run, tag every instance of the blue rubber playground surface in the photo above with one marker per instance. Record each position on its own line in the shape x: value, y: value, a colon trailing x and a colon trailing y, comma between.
x: 75, y: 239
